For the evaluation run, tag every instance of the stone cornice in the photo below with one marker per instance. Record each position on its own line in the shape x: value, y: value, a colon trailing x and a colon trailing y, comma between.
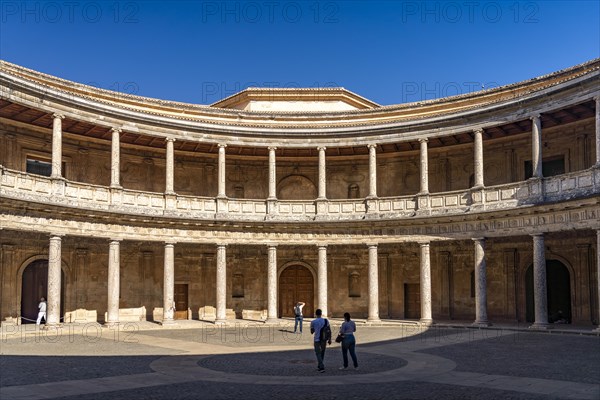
x: 436, y: 117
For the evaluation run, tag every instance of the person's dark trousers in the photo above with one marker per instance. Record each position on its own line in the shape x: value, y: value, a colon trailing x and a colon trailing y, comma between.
x: 320, y: 352
x: 298, y: 321
x: 349, y: 343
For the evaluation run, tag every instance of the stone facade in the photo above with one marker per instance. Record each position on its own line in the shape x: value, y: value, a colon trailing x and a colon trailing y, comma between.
x: 490, y: 216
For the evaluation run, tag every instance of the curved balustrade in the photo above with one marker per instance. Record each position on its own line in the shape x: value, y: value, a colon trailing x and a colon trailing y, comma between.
x: 39, y: 189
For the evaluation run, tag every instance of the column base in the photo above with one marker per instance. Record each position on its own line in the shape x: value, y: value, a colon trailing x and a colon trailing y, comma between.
x: 168, y: 322
x: 220, y: 321
x: 425, y: 321
x: 272, y: 321
x: 480, y: 324
x: 111, y: 324
x: 542, y: 326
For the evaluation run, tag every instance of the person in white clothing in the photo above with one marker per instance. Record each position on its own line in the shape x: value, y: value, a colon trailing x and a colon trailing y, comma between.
x: 42, y: 311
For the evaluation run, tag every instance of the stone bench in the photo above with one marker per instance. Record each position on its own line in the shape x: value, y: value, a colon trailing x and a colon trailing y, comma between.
x: 130, y: 314
x: 255, y: 315
x: 157, y: 314
x: 82, y: 316
x: 209, y: 313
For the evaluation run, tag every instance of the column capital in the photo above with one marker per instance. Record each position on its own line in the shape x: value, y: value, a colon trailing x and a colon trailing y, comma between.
x: 221, y: 145
x: 272, y: 246
x: 478, y: 130
x: 322, y: 246
x: 115, y: 240
x: 597, y: 98
x: 423, y: 140
x: 478, y: 239
x: 534, y: 235
x: 56, y: 235
x: 116, y: 130
x: 372, y: 245
x: 423, y: 243
x: 221, y: 244
x: 372, y: 146
x: 57, y: 115
x: 535, y: 116
x: 272, y: 148
x: 170, y: 139
x: 170, y: 243
x: 321, y: 148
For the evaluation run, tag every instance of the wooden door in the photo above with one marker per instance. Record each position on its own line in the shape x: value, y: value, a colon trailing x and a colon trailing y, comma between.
x: 181, y: 301
x: 412, y: 301
x: 296, y: 284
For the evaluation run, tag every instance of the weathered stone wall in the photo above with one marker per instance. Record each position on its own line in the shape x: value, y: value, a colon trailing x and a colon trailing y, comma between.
x: 85, y: 264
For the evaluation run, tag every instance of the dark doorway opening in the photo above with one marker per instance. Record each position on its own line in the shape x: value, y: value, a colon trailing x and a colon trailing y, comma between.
x: 558, y: 288
x: 35, y: 286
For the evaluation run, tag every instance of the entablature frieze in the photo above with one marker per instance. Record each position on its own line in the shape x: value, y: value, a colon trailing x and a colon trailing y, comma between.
x: 568, y: 216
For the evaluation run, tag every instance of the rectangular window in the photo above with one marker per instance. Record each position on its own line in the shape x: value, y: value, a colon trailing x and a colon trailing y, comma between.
x: 39, y: 167
x: 550, y: 167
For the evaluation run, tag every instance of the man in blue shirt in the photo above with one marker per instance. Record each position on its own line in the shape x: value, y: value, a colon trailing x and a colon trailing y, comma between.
x: 320, y: 343
x: 298, y: 316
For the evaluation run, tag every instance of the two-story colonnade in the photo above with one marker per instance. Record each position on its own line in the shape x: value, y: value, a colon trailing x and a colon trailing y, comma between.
x: 481, y: 207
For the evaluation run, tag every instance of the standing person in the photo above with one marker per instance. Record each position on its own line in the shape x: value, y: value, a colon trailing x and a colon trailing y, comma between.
x: 322, y: 330
x: 42, y: 311
x: 349, y: 342
x: 299, y: 318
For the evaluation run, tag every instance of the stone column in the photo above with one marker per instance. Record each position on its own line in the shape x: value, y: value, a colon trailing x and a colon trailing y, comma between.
x: 540, y: 298
x: 322, y: 174
x: 54, y: 280
x: 598, y: 266
x: 115, y: 159
x: 114, y: 276
x: 597, y: 98
x: 57, y: 146
x: 272, y: 284
x: 425, y: 284
x: 170, y: 170
x: 480, y: 284
x: 478, y: 158
x: 424, y: 168
x: 169, y: 285
x: 221, y: 171
x: 272, y: 174
x: 372, y: 170
x: 221, y: 284
x: 322, y: 279
x: 536, y: 146
x: 373, y: 285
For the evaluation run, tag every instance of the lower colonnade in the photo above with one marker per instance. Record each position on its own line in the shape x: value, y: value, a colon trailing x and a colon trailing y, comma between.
x: 321, y: 293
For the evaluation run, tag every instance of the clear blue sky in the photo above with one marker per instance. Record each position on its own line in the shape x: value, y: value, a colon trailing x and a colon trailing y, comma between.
x: 387, y: 51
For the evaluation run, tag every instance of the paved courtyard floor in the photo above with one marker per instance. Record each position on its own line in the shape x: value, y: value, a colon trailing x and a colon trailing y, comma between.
x: 245, y: 360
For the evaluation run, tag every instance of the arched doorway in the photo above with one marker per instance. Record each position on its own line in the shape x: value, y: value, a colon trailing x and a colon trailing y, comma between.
x: 558, y: 284
x: 34, y: 286
x: 296, y: 284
